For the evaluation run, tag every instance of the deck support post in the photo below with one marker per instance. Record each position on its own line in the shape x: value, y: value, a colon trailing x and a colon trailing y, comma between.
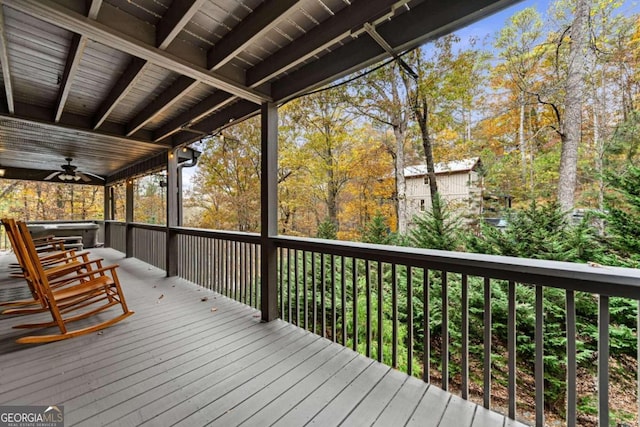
x: 129, y: 217
x: 173, y: 200
x: 269, y: 213
x: 107, y: 215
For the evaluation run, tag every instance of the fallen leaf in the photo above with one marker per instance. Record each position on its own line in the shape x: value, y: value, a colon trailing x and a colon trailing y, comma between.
x: 100, y: 332
x: 204, y: 299
x: 256, y: 315
x: 154, y: 286
x: 214, y: 309
x: 595, y: 264
x: 161, y: 296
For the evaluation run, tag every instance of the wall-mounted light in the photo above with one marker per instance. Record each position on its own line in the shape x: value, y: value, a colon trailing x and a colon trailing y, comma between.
x: 171, y: 155
x: 184, y: 149
x: 2, y: 171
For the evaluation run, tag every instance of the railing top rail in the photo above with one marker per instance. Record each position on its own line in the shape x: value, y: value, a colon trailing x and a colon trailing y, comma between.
x: 592, y: 278
x: 154, y: 227
x: 219, y: 234
x: 65, y: 221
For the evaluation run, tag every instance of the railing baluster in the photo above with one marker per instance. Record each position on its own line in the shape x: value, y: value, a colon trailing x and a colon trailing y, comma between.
x: 409, y: 320
x: 380, y: 312
x: 290, y: 254
x: 465, y: 337
x: 603, y: 361
x: 323, y: 296
x: 235, y: 276
x: 343, y: 289
x: 572, y: 391
x: 445, y: 331
x: 426, y: 357
x: 244, y: 266
x: 220, y: 266
x: 487, y: 344
x: 333, y: 298
x: 225, y: 267
x: 247, y: 273
x: 354, y: 296
x: 314, y: 287
x: 511, y: 344
x: 249, y: 268
x: 296, y: 290
x: 368, y: 295
x: 305, y: 297
x: 539, y: 357
x: 281, y: 252
x: 394, y: 316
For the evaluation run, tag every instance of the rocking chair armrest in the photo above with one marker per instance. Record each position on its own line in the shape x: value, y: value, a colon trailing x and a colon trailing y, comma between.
x: 84, y: 256
x: 97, y: 271
x: 59, y: 281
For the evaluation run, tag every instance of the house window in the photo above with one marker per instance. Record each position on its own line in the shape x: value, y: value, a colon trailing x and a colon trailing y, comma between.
x: 422, y: 205
x: 426, y: 180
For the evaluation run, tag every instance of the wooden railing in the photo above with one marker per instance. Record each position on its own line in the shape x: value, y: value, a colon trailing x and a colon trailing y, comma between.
x: 116, y: 235
x: 228, y: 263
x: 384, y: 301
x: 325, y: 286
x: 150, y: 244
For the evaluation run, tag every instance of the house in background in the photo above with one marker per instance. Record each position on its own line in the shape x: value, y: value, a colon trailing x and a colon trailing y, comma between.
x: 459, y: 183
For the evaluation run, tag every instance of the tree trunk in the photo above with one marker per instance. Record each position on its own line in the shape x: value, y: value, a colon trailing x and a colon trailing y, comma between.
x: 399, y: 121
x: 573, y: 107
x: 401, y: 186
x: 521, y: 141
x: 422, y: 117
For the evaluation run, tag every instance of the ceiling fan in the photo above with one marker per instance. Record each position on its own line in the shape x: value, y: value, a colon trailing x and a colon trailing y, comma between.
x: 70, y: 172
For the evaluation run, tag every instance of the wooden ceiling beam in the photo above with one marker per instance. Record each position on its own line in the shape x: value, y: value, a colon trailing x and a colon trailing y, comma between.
x: 119, y: 90
x: 257, y: 24
x: 226, y: 117
x: 165, y: 100
x: 318, y: 39
x: 174, y: 20
x: 210, y: 104
x: 4, y: 60
x: 78, y: 43
x: 262, y: 20
x: 178, y: 15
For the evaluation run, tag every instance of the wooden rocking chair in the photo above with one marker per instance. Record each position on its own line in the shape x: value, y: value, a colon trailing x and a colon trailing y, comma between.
x: 96, y: 290
x: 58, y: 267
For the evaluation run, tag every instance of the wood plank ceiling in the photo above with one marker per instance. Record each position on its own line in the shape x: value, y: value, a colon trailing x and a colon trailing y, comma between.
x: 112, y: 83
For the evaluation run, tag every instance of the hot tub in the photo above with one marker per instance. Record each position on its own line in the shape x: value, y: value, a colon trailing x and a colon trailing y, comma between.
x: 88, y: 231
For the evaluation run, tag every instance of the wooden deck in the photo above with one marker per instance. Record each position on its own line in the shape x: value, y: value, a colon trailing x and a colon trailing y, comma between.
x: 183, y: 361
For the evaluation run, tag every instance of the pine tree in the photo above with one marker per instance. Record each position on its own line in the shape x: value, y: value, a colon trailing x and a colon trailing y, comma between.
x: 623, y: 217
x: 327, y: 230
x: 438, y: 228
x: 377, y: 231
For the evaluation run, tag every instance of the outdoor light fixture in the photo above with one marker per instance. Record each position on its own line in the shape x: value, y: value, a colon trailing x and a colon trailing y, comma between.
x: 2, y: 172
x: 68, y: 177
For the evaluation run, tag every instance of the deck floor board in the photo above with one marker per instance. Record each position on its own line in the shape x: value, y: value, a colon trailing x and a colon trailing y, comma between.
x: 191, y: 357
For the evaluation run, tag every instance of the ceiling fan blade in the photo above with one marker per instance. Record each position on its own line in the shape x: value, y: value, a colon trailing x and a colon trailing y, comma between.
x: 83, y: 176
x: 91, y: 174
x: 53, y: 175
